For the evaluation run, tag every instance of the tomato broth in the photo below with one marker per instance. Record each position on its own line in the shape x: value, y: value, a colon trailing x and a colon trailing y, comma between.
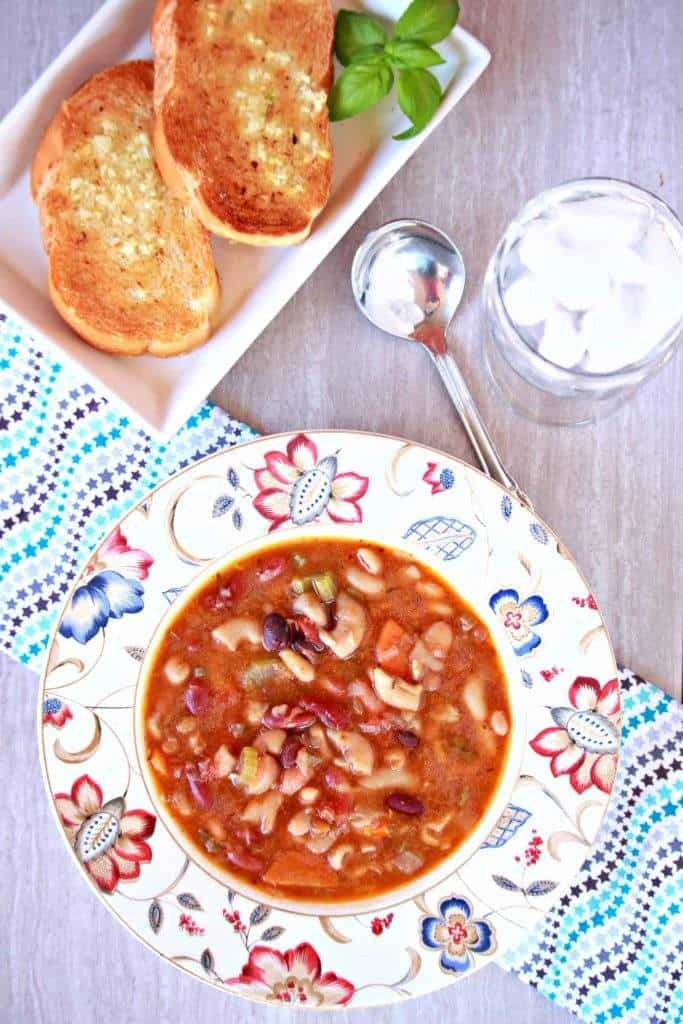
x: 326, y: 719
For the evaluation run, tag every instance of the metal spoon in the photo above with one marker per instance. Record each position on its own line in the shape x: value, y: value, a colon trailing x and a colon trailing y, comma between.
x: 408, y: 278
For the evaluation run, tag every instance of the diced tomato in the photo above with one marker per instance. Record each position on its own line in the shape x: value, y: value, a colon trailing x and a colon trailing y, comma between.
x: 393, y: 648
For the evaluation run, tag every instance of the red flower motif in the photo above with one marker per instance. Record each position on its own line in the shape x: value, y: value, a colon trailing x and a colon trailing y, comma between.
x: 118, y: 847
x: 116, y: 554
x: 293, y: 977
x: 300, y: 486
x: 438, y: 479
x: 55, y: 712
x: 567, y: 747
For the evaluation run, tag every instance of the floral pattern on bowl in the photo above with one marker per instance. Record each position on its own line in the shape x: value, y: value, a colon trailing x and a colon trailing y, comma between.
x: 485, y: 541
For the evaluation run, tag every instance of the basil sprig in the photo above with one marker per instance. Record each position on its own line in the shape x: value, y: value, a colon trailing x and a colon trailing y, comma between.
x: 372, y: 61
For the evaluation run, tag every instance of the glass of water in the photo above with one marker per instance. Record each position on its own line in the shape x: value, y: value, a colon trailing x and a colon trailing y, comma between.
x: 584, y: 299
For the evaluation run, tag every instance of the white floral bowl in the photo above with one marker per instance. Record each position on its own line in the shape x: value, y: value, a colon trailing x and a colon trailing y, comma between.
x: 468, y: 589
x: 561, y: 675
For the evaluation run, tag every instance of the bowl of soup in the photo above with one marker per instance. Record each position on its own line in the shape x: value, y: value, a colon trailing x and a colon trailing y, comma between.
x: 328, y: 723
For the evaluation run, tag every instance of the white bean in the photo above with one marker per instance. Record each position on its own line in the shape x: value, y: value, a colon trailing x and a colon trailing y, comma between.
x: 233, y: 632
x: 158, y: 761
x: 176, y: 671
x: 337, y: 856
x: 224, y: 761
x: 154, y: 725
x: 409, y: 573
x: 308, y: 604
x: 473, y: 695
x: 370, y: 560
x: 308, y: 795
x: 429, y: 589
x: 349, y: 630
x: 439, y: 608
x: 499, y: 723
x: 300, y: 823
x: 196, y: 744
x: 186, y: 724
x: 438, y: 639
x: 216, y: 829
x: 298, y: 665
x: 371, y: 586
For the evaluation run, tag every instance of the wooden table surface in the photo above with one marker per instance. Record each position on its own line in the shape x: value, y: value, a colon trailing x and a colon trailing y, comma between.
x: 574, y: 89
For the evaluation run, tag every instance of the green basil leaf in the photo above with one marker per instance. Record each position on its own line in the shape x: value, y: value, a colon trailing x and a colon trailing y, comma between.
x: 408, y: 53
x: 419, y: 95
x: 358, y: 87
x: 427, y: 21
x: 354, y: 31
x: 369, y: 55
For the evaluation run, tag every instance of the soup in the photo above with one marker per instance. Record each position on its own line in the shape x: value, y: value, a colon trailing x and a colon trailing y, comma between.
x: 326, y: 720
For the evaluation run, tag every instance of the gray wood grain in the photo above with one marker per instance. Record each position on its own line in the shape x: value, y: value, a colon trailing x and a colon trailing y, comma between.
x: 574, y: 89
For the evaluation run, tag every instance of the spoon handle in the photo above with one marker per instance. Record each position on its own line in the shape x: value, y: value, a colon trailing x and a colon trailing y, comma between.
x: 480, y: 439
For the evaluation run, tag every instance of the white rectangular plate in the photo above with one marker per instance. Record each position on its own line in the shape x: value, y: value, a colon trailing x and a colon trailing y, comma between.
x: 256, y: 283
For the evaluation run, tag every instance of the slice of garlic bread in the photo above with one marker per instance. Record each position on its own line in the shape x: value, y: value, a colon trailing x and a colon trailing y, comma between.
x: 130, y: 266
x: 241, y: 123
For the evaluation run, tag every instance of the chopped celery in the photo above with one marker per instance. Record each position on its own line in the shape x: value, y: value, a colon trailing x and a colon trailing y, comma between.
x: 299, y: 560
x: 248, y: 765
x: 325, y: 586
x: 323, y: 583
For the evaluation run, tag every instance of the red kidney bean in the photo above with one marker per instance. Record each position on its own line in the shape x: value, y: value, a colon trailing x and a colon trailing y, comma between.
x: 275, y: 632
x: 273, y: 568
x: 290, y: 749
x: 193, y: 641
x: 335, y: 778
x: 200, y: 792
x: 245, y: 834
x: 245, y: 861
x: 306, y: 630
x: 405, y: 803
x: 222, y: 596
x: 407, y: 738
x: 197, y: 698
x: 332, y: 716
x: 339, y: 805
x: 282, y: 716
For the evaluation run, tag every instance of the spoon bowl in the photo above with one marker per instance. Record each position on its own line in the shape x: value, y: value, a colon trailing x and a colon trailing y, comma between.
x: 408, y: 278
x: 407, y: 274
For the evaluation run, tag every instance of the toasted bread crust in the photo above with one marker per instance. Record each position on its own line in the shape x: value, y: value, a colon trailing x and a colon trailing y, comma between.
x: 130, y: 268
x: 241, y: 124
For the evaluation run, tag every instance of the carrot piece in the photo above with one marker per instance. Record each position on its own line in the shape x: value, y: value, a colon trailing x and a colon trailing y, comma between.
x: 294, y: 869
x: 393, y: 648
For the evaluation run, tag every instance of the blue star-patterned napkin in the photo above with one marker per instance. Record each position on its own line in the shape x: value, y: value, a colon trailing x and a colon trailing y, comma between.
x: 71, y: 465
x: 612, y: 947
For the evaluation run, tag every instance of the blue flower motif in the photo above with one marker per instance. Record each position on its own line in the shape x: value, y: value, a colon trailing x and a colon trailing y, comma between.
x: 106, y: 595
x: 538, y: 533
x: 518, y: 618
x: 457, y: 935
x: 506, y: 506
